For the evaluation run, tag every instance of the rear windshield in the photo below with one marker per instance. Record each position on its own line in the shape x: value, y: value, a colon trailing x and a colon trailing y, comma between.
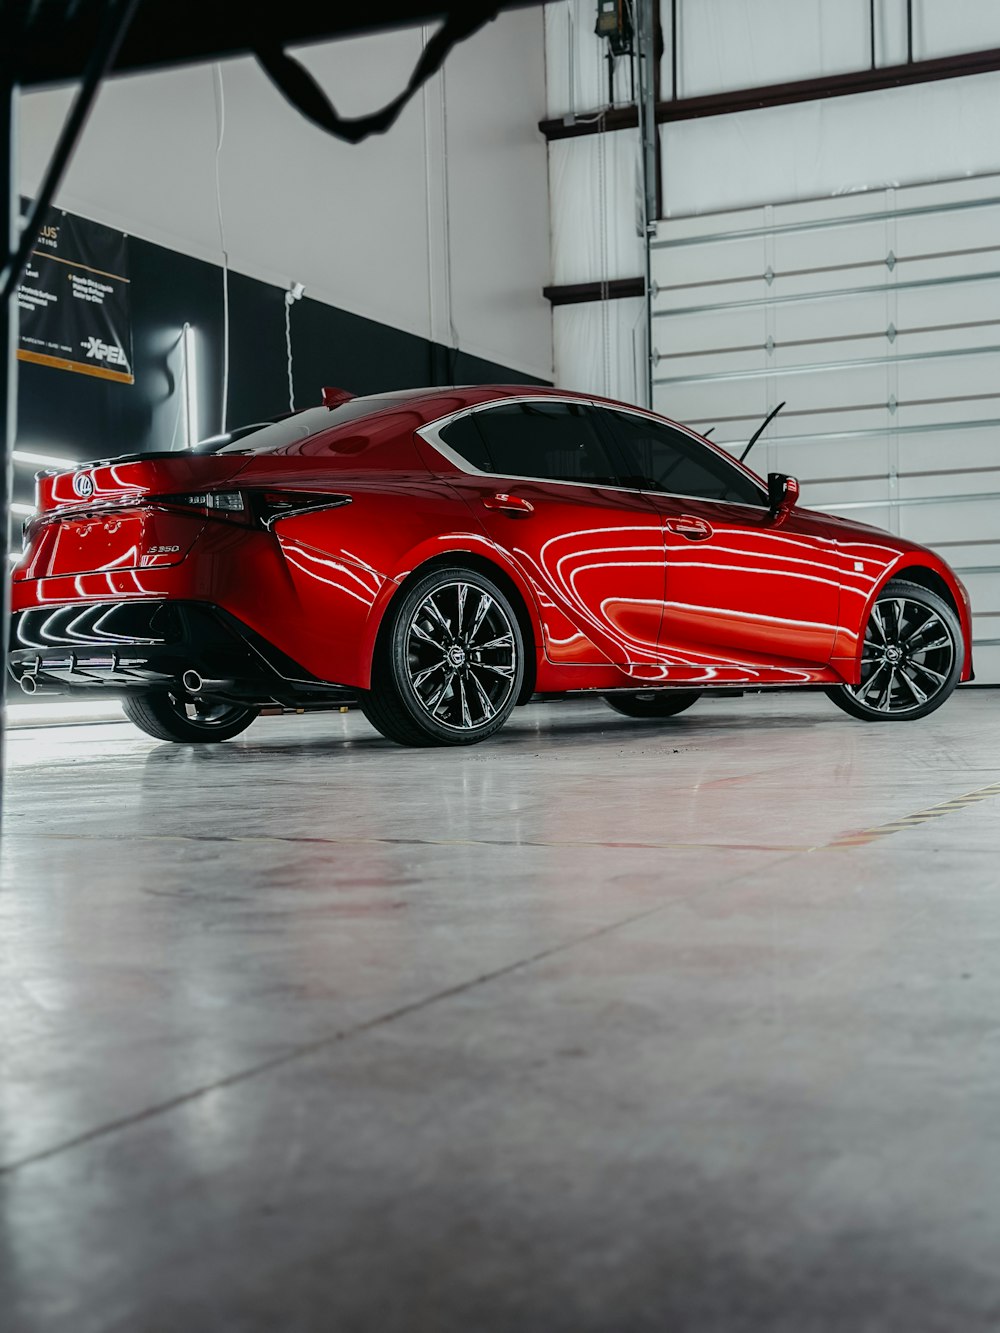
x: 265, y: 436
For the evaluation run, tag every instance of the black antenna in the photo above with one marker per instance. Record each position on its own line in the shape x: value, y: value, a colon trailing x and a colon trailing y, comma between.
x: 706, y: 433
x: 760, y: 430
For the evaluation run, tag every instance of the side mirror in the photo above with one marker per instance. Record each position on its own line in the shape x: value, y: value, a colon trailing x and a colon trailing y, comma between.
x: 782, y: 495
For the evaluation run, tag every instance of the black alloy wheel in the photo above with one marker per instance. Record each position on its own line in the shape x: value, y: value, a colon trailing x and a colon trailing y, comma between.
x: 170, y: 716
x: 449, y: 664
x: 652, y: 703
x: 911, y: 660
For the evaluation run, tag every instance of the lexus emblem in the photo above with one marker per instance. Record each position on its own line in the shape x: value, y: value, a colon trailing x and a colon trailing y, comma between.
x: 83, y: 484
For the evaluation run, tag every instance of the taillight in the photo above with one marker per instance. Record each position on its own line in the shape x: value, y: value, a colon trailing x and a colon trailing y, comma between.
x: 256, y: 508
x: 228, y: 502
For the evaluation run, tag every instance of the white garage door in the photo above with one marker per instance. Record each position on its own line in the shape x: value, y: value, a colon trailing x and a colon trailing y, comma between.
x: 877, y: 317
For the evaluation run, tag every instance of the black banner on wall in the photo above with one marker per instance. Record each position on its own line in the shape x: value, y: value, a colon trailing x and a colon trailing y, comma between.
x: 74, y: 299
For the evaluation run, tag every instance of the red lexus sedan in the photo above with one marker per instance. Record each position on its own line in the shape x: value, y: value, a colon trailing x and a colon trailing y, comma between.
x: 440, y: 555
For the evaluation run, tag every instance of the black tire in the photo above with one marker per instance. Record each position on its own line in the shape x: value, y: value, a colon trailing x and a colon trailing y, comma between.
x: 448, y: 664
x: 173, y: 717
x: 912, y: 657
x: 652, y: 703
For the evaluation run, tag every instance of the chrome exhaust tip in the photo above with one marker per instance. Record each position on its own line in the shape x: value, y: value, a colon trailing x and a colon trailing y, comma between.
x: 197, y: 685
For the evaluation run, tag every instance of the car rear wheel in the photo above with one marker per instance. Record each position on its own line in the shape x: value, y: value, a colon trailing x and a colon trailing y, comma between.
x: 449, y: 664
x: 652, y: 703
x: 911, y: 660
x: 173, y: 717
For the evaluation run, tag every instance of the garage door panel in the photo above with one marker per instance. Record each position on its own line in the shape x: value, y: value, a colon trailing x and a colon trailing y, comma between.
x: 986, y: 657
x: 847, y: 317
x: 955, y: 229
x: 838, y: 386
x: 951, y: 449
x: 674, y: 365
x: 832, y: 495
x: 972, y: 554
x: 984, y: 590
x: 969, y: 336
x: 940, y: 485
x: 825, y: 463
x: 824, y: 281
x: 948, y: 376
x: 951, y: 410
x: 696, y: 402
x: 961, y: 269
x: 849, y: 243
x: 949, y: 519
x: 712, y: 331
x: 958, y: 303
x: 692, y: 283
x: 985, y: 633
x: 691, y: 274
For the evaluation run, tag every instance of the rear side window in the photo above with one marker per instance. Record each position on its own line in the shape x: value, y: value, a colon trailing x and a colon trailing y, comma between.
x: 547, y: 441
x: 463, y: 437
x: 659, y: 458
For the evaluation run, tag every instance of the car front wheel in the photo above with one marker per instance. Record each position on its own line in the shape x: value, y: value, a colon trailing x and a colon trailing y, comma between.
x: 911, y: 659
x: 449, y: 664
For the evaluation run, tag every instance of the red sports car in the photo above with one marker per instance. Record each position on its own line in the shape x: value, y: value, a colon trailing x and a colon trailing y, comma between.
x: 440, y: 555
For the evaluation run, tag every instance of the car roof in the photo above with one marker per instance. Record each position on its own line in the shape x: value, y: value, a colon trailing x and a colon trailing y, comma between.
x: 440, y: 400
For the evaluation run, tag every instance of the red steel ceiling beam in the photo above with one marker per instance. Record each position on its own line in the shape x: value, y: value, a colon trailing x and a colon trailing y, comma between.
x: 574, y: 293
x: 779, y: 94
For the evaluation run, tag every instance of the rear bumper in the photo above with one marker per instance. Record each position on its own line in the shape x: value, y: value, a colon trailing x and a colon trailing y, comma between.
x: 129, y: 647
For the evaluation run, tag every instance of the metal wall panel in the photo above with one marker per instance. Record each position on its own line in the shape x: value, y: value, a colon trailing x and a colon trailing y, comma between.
x: 877, y: 317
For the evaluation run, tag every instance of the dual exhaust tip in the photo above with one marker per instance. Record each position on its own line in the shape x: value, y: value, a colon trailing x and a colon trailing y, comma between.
x: 192, y: 681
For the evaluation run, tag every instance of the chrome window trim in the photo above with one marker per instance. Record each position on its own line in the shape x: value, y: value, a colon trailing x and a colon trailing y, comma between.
x: 430, y: 433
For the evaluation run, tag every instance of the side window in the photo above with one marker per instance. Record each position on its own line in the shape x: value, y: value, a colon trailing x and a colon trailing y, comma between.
x: 659, y: 458
x: 462, y: 435
x: 550, y: 441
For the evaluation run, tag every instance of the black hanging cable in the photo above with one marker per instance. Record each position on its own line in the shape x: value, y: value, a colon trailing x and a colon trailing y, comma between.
x: 909, y: 32
x: 674, y: 54
x: 295, y: 82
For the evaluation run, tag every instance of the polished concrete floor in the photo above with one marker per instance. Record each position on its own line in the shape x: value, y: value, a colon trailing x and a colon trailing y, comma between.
x: 601, y: 1026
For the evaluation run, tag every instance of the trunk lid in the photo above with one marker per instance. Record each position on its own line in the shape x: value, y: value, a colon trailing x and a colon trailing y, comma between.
x: 105, y: 517
x: 124, y: 481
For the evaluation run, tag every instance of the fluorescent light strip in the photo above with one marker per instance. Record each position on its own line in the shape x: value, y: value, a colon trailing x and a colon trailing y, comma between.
x: 43, y: 460
x: 191, y: 425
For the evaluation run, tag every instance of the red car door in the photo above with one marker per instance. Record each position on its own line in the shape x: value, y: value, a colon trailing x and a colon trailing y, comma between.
x: 747, y: 598
x: 540, y: 480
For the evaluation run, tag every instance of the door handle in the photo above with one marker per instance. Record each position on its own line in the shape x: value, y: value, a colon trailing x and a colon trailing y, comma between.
x: 508, y: 504
x: 694, y: 529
